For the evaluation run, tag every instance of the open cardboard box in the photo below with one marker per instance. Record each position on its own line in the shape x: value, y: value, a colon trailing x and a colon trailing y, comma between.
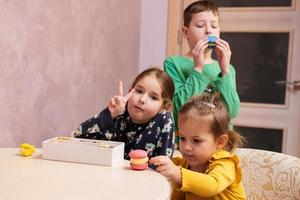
x: 98, y: 152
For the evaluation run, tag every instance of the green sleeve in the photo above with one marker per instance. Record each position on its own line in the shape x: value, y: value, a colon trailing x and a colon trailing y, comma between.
x: 185, y: 87
x: 227, y: 87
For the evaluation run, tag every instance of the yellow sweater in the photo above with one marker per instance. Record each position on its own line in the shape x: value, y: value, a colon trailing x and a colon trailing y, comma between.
x: 221, y: 180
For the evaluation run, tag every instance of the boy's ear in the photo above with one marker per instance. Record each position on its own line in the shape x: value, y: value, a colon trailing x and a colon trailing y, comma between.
x: 222, y: 141
x: 184, y: 32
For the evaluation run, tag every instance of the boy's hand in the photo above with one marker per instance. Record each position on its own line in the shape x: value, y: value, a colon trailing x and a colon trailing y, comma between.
x: 167, y: 168
x: 223, y: 53
x: 198, y: 54
x: 117, y: 103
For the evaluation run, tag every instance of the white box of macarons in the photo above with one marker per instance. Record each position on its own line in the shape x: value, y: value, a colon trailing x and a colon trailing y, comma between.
x: 98, y: 152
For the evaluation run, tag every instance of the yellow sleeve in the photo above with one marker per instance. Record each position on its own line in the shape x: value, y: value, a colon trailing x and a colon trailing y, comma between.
x: 177, y: 195
x: 220, y: 175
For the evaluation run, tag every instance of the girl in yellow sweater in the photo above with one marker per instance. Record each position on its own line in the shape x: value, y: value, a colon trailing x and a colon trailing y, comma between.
x: 208, y: 169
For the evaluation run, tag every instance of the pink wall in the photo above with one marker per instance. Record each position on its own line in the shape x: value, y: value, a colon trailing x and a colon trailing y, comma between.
x: 153, y: 34
x: 60, y: 62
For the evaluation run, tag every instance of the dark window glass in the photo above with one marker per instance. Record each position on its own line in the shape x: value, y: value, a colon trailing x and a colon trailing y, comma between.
x: 262, y: 138
x: 253, y: 3
x: 260, y: 61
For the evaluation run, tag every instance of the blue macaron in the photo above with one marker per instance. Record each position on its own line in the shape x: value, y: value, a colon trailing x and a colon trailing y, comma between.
x: 212, y: 41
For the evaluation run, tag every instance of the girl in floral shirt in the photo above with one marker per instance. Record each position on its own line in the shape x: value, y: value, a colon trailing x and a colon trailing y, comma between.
x: 141, y: 119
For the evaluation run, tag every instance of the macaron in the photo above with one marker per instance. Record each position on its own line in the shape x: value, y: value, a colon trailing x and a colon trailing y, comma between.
x: 138, y: 159
x: 212, y: 41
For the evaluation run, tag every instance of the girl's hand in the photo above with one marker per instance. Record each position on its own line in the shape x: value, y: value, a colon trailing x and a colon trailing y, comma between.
x: 167, y: 168
x: 117, y: 103
x: 198, y: 54
x: 223, y: 53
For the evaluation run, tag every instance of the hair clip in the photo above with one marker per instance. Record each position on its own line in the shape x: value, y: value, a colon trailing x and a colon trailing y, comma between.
x: 211, y: 105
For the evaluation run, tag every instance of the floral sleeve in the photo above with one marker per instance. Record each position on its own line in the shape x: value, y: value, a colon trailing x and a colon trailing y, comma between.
x: 166, y: 136
x: 100, y: 127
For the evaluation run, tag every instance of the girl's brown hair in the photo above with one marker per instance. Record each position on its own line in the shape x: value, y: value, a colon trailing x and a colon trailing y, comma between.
x: 196, y: 7
x: 211, y: 107
x: 165, y: 81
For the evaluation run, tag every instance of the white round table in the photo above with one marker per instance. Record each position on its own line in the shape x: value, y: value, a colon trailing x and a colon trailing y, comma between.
x: 35, y: 179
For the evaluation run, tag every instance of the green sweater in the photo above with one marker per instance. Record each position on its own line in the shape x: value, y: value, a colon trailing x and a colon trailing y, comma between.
x: 189, y: 82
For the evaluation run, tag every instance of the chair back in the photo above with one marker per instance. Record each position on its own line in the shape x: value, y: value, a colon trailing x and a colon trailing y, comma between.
x: 269, y: 175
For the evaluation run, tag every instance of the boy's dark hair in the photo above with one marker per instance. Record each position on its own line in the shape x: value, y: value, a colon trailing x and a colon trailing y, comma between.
x: 165, y: 81
x: 210, y: 109
x: 196, y: 7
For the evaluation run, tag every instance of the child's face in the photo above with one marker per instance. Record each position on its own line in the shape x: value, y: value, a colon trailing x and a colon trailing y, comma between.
x: 201, y: 25
x: 196, y: 143
x: 146, y: 101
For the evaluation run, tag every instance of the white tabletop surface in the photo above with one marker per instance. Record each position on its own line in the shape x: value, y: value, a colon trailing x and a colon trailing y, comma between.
x: 37, y: 179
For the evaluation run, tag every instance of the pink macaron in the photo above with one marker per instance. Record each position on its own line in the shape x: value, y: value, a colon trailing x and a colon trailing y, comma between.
x: 138, y: 159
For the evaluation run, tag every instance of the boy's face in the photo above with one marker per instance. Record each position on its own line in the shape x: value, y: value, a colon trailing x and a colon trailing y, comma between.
x: 196, y: 143
x: 146, y: 100
x: 201, y: 25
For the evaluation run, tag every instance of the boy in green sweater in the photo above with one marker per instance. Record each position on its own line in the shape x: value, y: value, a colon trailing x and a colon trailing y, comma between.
x: 196, y: 71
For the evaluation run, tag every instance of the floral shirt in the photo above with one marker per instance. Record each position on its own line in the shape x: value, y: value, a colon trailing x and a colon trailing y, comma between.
x: 156, y: 136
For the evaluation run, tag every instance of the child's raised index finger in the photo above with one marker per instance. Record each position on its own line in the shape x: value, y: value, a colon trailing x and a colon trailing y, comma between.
x: 120, y: 89
x: 129, y: 94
